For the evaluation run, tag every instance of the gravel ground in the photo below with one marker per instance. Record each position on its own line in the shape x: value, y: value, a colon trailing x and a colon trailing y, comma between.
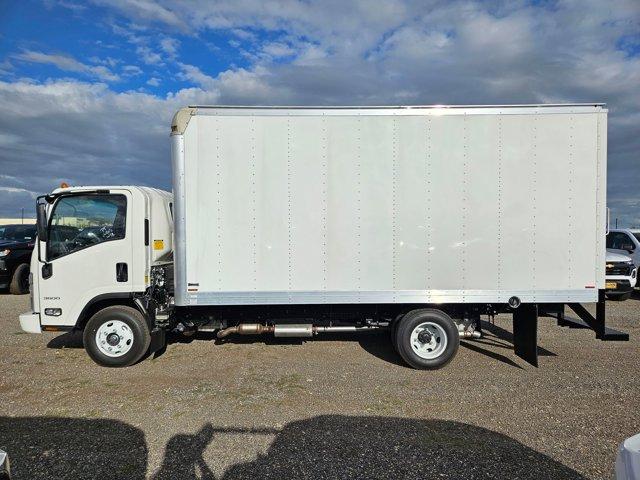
x: 340, y: 408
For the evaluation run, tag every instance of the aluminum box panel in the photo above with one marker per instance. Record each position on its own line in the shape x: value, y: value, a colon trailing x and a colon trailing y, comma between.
x: 366, y: 205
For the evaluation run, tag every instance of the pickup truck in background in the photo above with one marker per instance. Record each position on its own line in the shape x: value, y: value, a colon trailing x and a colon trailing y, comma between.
x: 621, y: 276
x: 16, y: 245
x: 625, y: 242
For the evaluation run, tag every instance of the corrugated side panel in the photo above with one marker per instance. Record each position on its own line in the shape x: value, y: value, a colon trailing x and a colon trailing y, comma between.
x: 384, y: 208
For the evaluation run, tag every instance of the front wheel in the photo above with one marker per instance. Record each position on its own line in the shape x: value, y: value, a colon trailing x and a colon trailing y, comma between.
x: 116, y: 336
x: 427, y: 339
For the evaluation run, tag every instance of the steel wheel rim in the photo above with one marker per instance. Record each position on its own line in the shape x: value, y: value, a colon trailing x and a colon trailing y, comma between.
x: 428, y: 340
x: 114, y: 338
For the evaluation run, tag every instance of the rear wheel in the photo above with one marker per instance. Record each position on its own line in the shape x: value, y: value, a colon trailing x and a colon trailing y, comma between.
x: 20, y: 280
x: 427, y: 339
x: 116, y: 336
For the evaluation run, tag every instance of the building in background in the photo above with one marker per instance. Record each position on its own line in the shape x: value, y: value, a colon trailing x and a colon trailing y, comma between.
x: 9, y: 221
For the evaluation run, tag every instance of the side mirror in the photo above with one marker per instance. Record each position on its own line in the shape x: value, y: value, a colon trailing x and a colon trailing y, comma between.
x: 41, y: 220
x: 5, y: 469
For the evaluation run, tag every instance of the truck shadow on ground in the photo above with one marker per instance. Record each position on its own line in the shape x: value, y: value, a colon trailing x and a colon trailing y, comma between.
x: 330, y: 446
x: 495, y: 337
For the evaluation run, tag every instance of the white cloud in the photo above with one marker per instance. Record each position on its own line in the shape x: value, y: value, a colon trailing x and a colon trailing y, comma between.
x: 148, y: 11
x: 68, y: 64
x: 131, y: 70
x: 194, y: 75
x: 243, y: 34
x: 74, y: 7
x: 170, y: 46
x: 154, y: 82
x: 18, y: 190
x: 148, y: 56
x: 278, y: 50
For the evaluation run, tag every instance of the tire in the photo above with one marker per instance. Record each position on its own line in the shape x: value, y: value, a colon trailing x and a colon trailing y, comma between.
x: 435, y: 350
x: 394, y: 331
x: 20, y: 280
x: 130, y: 343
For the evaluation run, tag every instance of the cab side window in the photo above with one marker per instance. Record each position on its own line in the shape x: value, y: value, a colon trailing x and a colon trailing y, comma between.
x: 82, y: 221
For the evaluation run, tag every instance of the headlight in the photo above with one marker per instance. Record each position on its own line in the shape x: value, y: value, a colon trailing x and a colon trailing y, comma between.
x: 4, y: 253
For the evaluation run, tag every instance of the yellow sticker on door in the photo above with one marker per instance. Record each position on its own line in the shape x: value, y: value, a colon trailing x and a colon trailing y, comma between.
x: 158, y: 244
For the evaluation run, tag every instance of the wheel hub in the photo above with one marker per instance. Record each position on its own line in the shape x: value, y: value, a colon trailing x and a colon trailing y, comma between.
x: 424, y: 336
x: 429, y: 340
x: 114, y: 338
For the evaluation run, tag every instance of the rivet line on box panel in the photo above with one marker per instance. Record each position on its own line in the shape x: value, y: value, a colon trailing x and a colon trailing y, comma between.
x: 290, y: 229
x: 499, y: 219
x: 219, y: 202
x: 394, y: 166
x: 463, y: 250
x: 253, y: 202
x: 428, y: 223
x: 570, y: 203
x: 324, y: 201
x: 358, y: 201
x: 534, y: 192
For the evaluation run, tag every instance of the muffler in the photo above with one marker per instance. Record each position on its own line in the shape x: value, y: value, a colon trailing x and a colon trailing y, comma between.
x: 294, y: 330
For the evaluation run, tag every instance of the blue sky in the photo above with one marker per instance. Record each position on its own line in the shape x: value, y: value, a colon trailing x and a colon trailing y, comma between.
x: 87, y: 89
x: 110, y: 47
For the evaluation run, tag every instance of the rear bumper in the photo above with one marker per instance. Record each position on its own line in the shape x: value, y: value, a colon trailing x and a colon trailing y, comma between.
x: 30, y: 322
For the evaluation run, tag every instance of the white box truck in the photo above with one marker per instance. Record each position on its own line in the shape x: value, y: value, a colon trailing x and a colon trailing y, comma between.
x: 311, y: 220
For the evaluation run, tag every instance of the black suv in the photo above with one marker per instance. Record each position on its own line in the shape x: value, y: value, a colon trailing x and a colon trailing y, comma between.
x: 16, y: 245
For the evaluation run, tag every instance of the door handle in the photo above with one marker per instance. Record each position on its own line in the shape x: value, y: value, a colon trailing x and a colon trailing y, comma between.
x: 122, y: 272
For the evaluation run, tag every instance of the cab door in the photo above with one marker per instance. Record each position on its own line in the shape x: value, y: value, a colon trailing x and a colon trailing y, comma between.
x: 88, y: 253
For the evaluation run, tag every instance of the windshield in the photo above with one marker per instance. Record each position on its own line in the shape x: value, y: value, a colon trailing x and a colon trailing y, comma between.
x: 637, y: 235
x: 20, y: 233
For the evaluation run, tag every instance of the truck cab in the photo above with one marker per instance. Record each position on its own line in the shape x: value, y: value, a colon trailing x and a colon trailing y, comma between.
x: 625, y: 241
x: 96, y: 248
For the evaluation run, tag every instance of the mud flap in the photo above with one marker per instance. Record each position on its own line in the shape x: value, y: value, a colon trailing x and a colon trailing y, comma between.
x: 525, y: 333
x: 158, y: 340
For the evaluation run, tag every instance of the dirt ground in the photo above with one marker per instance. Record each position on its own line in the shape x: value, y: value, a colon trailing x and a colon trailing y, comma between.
x: 336, y: 407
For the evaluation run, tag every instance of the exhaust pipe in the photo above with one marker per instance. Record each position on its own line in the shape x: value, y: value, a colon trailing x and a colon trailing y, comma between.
x: 289, y: 330
x: 470, y: 334
x: 246, y: 329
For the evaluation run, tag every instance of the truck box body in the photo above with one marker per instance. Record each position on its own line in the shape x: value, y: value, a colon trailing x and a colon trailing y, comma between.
x: 390, y: 205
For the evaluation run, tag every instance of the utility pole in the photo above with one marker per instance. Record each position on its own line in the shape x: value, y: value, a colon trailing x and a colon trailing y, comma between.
x: 616, y: 222
x: 22, y: 210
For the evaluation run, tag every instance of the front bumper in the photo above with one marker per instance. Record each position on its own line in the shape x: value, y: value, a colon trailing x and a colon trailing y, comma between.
x: 621, y: 285
x: 30, y: 322
x: 5, y: 275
